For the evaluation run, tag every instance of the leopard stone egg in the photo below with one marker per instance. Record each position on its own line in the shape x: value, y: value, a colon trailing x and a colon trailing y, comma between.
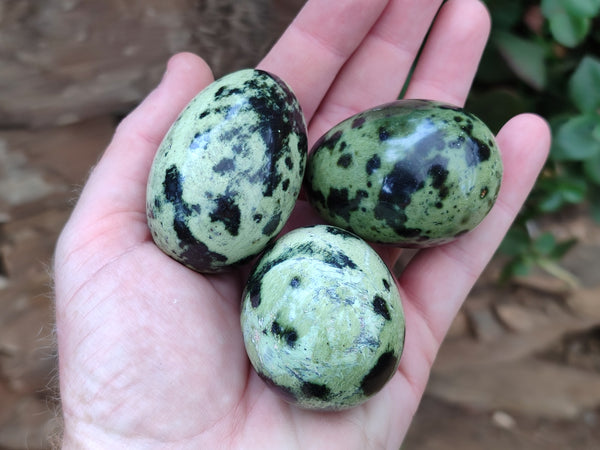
x: 412, y: 173
x: 322, y: 319
x: 227, y: 174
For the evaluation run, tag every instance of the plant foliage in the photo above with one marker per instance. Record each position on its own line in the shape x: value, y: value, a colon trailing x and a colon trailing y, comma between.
x: 544, y: 57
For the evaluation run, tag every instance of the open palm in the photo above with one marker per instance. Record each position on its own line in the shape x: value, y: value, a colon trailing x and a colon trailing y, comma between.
x: 151, y: 353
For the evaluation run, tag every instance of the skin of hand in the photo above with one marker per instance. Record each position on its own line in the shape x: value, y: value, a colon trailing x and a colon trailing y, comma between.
x: 151, y: 353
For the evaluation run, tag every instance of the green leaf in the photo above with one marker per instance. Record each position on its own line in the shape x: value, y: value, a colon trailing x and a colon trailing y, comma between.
x: 595, y: 212
x: 596, y: 132
x: 525, y: 58
x: 595, y: 204
x: 521, y: 267
x: 507, y: 103
x: 516, y: 242
x: 552, y: 202
x: 569, y: 30
x: 573, y: 190
x: 575, y: 139
x: 561, y: 248
x: 584, y: 85
x: 516, y: 267
x: 506, y: 13
x: 581, y: 8
x: 591, y: 168
x: 544, y: 244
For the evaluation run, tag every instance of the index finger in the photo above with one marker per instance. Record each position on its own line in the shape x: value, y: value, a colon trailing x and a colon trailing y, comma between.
x: 310, y: 53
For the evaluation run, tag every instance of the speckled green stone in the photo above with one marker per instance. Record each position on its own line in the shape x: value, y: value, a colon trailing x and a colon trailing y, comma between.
x: 227, y: 174
x: 322, y: 319
x: 412, y: 173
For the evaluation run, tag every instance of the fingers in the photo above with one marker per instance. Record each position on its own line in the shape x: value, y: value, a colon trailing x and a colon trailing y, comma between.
x: 438, y: 279
x: 118, y: 182
x: 310, y: 53
x: 377, y: 70
x: 450, y: 57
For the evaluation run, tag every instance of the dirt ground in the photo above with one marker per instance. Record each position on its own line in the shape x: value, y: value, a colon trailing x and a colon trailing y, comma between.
x: 519, y: 369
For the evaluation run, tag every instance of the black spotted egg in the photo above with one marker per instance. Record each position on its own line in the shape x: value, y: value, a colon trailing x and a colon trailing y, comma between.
x: 322, y: 319
x: 227, y: 174
x: 411, y: 173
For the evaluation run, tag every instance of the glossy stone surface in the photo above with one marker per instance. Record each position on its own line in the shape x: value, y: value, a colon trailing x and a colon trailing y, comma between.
x: 227, y: 174
x: 412, y: 173
x: 322, y: 319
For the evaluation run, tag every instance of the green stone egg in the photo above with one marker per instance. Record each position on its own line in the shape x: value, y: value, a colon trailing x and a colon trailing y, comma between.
x: 227, y: 174
x: 412, y: 173
x: 322, y: 319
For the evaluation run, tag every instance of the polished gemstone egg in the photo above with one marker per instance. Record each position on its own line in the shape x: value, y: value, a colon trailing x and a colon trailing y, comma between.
x: 322, y: 319
x: 226, y: 176
x: 412, y: 173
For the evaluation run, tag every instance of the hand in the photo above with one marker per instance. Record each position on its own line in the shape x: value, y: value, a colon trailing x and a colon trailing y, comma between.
x: 151, y: 353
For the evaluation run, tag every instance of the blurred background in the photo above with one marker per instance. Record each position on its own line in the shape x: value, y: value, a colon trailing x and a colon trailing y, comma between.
x: 520, y: 368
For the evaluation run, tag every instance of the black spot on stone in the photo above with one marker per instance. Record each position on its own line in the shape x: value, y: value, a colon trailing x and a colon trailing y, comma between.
x: 295, y: 282
x: 225, y: 165
x: 439, y: 174
x: 289, y: 335
x: 195, y: 253
x: 484, y: 150
x: 257, y: 218
x: 283, y: 390
x: 279, y: 117
x: 342, y: 146
x: 345, y: 160
x: 203, y: 114
x: 379, y: 374
x: 457, y: 143
x: 172, y: 186
x: 233, y: 134
x: 384, y: 134
x: 458, y: 119
x: 338, y: 232
x: 220, y: 92
x: 386, y: 285
x: 468, y: 128
x: 308, y: 249
x: 272, y: 225
x: 254, y: 292
x: 228, y: 212
x: 285, y: 184
x: 399, y: 185
x: 332, y: 140
x: 340, y: 204
x: 289, y: 163
x: 476, y: 151
x: 439, y: 205
x: 373, y: 164
x: 380, y: 307
x: 315, y: 390
x: 444, y: 191
x: 358, y: 122
x: 369, y: 184
x: 315, y: 196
